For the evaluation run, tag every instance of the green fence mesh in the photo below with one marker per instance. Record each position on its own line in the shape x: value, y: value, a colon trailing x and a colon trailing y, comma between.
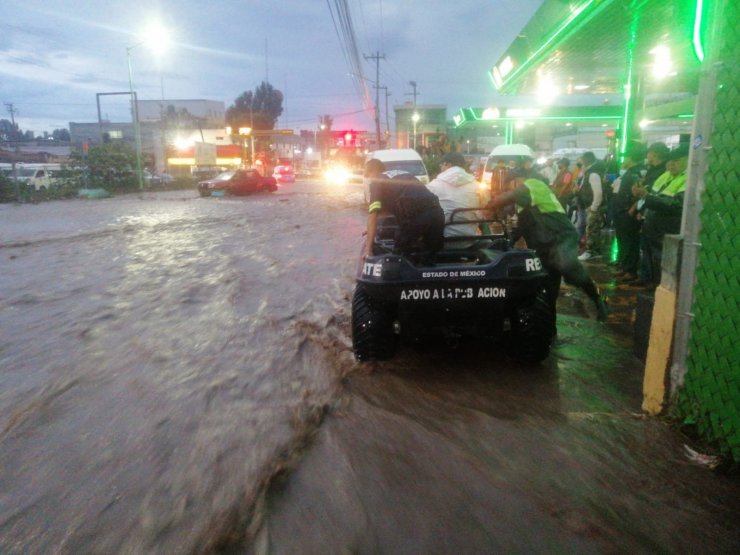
x: 711, y: 394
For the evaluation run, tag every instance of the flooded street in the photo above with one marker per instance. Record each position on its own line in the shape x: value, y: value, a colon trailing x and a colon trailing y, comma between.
x: 176, y: 376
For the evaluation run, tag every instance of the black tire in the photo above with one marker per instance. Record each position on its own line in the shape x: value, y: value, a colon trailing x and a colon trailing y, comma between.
x: 372, y: 328
x: 272, y: 187
x: 531, y: 328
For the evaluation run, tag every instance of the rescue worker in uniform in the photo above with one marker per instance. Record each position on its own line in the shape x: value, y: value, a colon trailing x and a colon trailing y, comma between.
x: 548, y: 231
x: 418, y: 214
x: 662, y: 207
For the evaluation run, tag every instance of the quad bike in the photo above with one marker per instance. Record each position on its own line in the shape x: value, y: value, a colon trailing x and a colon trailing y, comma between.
x: 478, y: 286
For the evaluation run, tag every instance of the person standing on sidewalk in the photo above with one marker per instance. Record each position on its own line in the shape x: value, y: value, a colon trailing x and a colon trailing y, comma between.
x: 663, y: 207
x: 563, y: 184
x: 627, y: 227
x: 591, y: 200
x: 548, y: 231
x: 657, y: 159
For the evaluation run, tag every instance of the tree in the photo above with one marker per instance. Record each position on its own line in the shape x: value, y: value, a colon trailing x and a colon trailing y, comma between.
x: 8, y: 131
x: 61, y: 135
x: 111, y: 166
x: 258, y: 109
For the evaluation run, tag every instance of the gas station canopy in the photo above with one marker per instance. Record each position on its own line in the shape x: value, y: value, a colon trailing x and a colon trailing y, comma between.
x: 641, y: 57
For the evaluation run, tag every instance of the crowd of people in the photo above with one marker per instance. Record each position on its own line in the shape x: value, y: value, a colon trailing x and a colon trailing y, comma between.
x: 641, y: 203
x: 561, y: 210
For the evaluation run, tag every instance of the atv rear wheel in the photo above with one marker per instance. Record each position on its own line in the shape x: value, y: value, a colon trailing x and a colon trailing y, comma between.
x: 531, y: 328
x: 372, y: 328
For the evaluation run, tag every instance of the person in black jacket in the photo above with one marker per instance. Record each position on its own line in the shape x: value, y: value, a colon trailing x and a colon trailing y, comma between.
x: 662, y: 207
x: 657, y: 158
x: 626, y: 225
x: 418, y: 214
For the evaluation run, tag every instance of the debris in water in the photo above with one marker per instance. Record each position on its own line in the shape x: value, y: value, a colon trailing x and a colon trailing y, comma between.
x: 710, y: 461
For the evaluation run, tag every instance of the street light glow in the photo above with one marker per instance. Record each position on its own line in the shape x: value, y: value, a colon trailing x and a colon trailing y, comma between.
x: 156, y: 37
x: 182, y: 143
x: 547, y: 91
x: 662, y: 62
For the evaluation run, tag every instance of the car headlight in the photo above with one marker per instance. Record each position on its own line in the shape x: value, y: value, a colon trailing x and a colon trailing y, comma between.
x: 337, y: 175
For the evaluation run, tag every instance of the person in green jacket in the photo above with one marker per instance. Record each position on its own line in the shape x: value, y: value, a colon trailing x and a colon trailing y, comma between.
x: 548, y: 231
x: 662, y: 208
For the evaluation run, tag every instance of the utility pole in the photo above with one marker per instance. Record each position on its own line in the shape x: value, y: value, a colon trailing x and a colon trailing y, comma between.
x: 377, y: 57
x: 12, y: 111
x: 387, y: 121
x: 414, y: 94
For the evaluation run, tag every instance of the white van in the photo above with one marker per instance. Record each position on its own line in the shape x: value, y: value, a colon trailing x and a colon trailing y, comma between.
x: 39, y: 176
x: 403, y: 159
x: 507, y: 153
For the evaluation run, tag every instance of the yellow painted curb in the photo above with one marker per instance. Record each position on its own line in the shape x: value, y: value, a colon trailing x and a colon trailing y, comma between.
x: 659, y: 351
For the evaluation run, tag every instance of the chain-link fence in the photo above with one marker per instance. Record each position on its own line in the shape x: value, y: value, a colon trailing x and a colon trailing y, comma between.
x: 710, y: 398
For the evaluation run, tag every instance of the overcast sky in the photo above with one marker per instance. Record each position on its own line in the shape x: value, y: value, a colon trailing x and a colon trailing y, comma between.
x: 55, y: 55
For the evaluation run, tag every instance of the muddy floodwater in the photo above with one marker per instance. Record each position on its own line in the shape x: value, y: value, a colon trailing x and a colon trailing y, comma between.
x: 176, y: 376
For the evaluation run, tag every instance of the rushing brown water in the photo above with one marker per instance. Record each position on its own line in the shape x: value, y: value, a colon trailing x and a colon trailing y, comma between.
x: 176, y: 377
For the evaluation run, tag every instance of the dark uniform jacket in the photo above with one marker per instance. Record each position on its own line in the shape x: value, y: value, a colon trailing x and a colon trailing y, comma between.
x: 542, y: 221
x: 623, y: 199
x: 401, y: 194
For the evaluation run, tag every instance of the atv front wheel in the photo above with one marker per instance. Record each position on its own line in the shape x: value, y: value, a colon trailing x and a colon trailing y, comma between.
x: 372, y: 328
x: 532, y: 327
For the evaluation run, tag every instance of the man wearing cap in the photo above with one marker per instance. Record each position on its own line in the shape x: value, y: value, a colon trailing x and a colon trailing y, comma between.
x: 657, y: 157
x: 548, y: 231
x: 662, y: 207
x: 417, y: 211
x: 456, y: 188
x: 626, y: 225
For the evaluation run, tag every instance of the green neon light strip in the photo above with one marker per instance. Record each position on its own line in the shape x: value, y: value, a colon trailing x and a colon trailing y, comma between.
x: 578, y: 11
x: 628, y: 85
x: 553, y: 118
x: 698, y: 48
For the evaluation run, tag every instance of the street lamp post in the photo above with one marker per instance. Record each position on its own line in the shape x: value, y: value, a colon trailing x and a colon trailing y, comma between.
x: 315, y: 131
x: 157, y: 38
x: 415, y: 118
x: 247, y: 132
x: 135, y: 118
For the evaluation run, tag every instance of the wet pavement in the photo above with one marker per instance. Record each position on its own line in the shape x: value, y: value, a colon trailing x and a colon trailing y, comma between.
x: 176, y: 377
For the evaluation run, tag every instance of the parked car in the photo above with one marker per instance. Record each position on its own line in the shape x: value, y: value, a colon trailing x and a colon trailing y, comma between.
x: 157, y: 179
x: 284, y: 174
x: 151, y: 179
x: 237, y: 182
